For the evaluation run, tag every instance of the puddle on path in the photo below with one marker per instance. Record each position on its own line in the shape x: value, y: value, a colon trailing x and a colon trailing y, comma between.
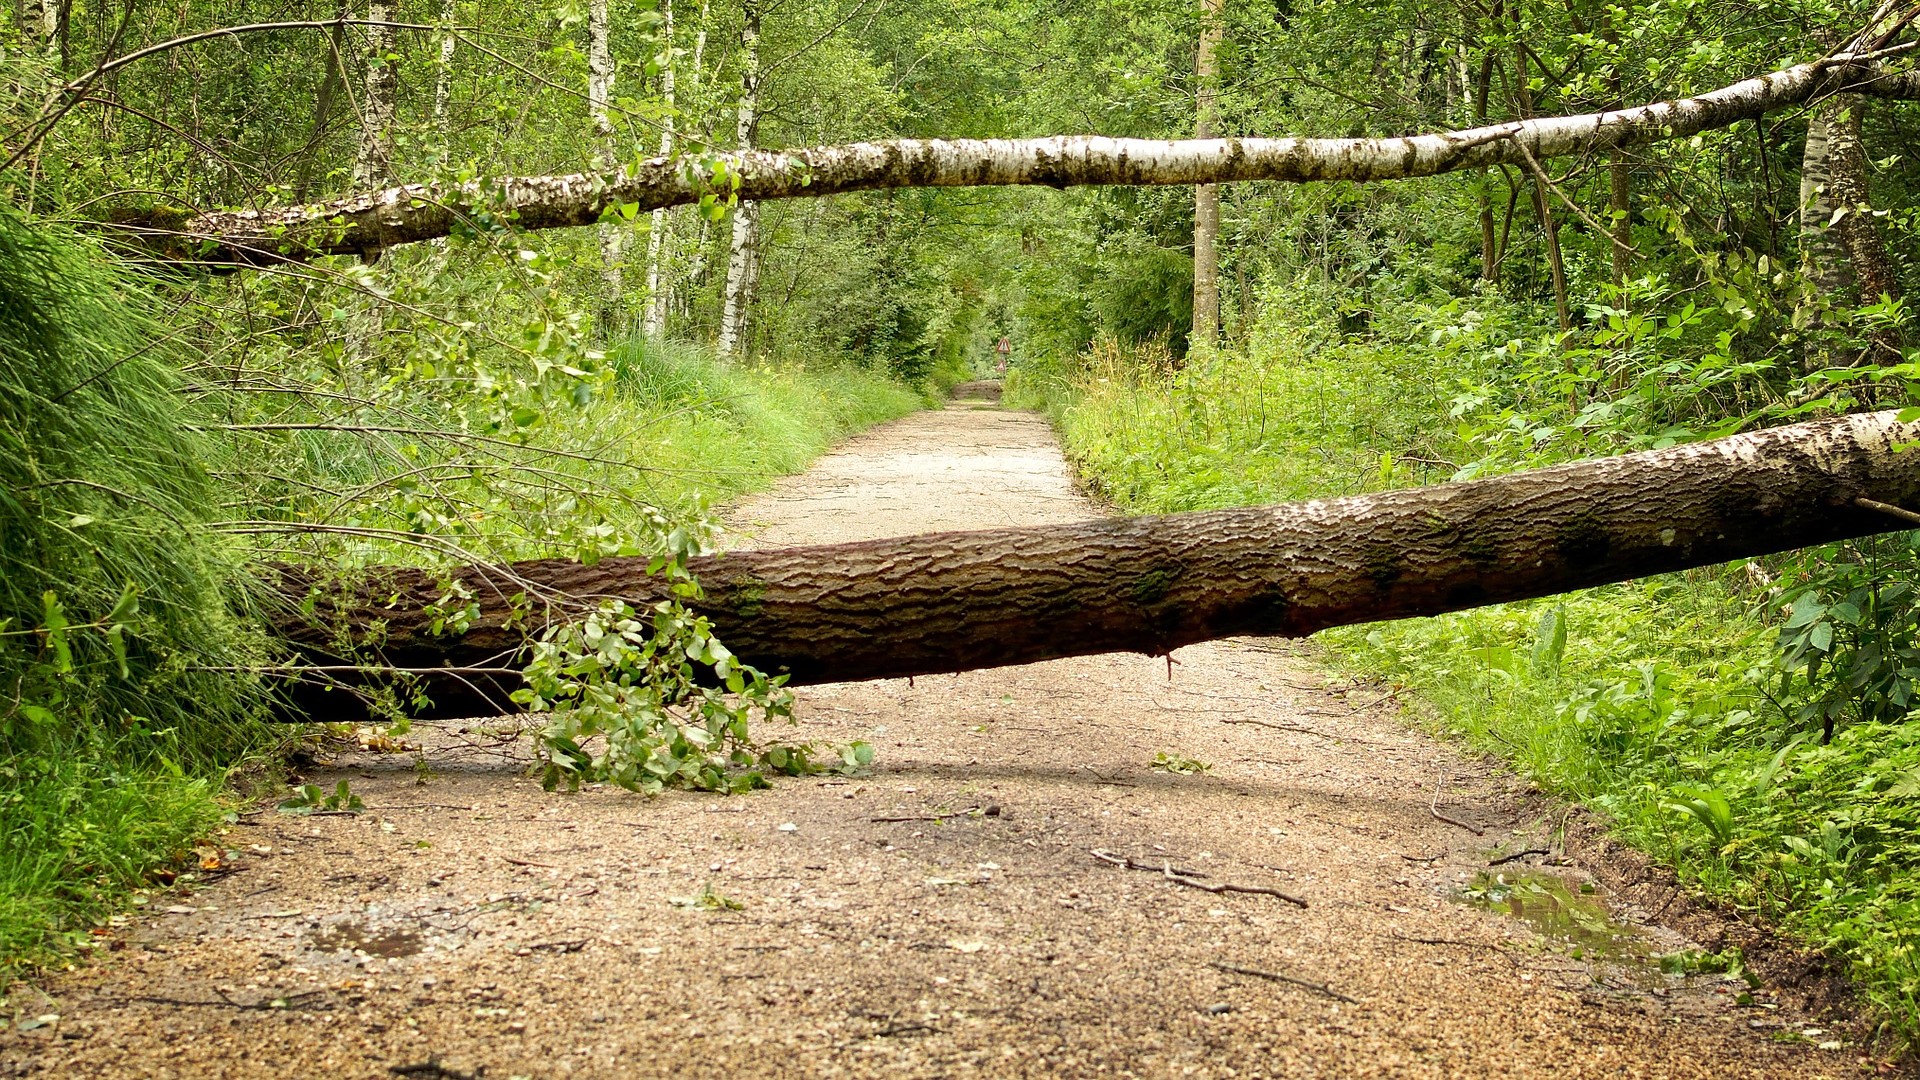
x: 1573, y: 916
x: 354, y: 937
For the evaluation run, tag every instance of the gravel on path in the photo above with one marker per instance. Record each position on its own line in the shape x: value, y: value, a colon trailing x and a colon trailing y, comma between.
x: 1015, y: 889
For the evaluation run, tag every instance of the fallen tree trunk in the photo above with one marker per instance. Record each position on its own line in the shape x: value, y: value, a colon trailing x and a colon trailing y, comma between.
x: 959, y: 600
x: 366, y: 223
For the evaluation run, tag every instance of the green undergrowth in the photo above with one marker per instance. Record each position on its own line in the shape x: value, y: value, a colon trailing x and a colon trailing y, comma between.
x: 121, y: 617
x: 1668, y: 704
x: 138, y: 495
x: 714, y: 431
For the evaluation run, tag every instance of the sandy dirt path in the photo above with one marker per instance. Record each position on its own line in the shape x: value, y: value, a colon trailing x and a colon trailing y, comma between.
x: 944, y: 916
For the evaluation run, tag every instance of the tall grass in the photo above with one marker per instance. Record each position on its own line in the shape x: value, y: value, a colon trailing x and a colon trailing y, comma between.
x: 115, y: 603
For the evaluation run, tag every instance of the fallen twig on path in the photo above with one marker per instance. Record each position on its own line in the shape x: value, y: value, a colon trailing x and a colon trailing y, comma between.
x: 1274, y: 976
x: 1192, y: 880
x: 510, y: 860
x: 1434, y: 806
x: 1504, y: 955
x: 1517, y: 856
x: 431, y: 1069
x: 992, y: 810
x: 288, y: 1001
x: 1279, y: 727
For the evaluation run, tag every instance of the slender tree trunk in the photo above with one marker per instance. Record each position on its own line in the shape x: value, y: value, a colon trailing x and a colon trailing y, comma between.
x: 743, y: 263
x: 1206, y: 197
x: 1819, y: 254
x: 599, y: 92
x: 1619, y: 175
x: 958, y: 600
x: 1489, y: 247
x: 1873, y: 272
x: 373, y: 165
x: 1542, y: 205
x: 445, y: 15
x: 657, y: 299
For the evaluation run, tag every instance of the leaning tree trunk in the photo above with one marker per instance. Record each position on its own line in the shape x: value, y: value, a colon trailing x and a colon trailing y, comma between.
x: 371, y: 220
x: 743, y: 263
x: 952, y: 601
x: 1206, y: 197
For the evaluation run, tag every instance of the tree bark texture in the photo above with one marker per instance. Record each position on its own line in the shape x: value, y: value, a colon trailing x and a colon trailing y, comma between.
x: 373, y: 165
x: 960, y: 600
x: 743, y: 261
x: 1206, y: 197
x: 367, y: 222
x: 655, y: 319
x: 1866, y: 251
x: 599, y: 93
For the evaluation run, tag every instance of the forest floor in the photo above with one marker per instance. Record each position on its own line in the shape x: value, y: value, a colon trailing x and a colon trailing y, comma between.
x: 993, y: 898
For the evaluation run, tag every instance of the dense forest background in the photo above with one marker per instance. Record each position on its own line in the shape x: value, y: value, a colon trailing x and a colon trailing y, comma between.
x: 506, y: 393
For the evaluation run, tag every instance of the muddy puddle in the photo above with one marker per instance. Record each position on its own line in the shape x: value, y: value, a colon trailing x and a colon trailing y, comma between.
x: 1573, y: 917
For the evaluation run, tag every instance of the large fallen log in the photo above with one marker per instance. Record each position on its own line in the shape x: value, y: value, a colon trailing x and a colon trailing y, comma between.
x: 959, y: 600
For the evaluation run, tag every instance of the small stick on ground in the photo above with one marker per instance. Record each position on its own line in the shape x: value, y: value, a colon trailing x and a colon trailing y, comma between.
x: 1504, y: 955
x: 1517, y: 856
x: 1434, y: 807
x: 527, y: 862
x: 971, y: 811
x: 1279, y: 727
x: 1191, y: 880
x: 1274, y: 976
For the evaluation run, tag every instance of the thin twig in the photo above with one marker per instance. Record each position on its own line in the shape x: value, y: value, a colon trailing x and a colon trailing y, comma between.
x: 1274, y: 976
x: 1504, y: 955
x: 1888, y: 508
x: 1179, y: 877
x: 528, y: 862
x: 1540, y: 174
x: 1517, y: 856
x: 1434, y: 807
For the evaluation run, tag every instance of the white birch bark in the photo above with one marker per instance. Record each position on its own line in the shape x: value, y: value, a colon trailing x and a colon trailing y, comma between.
x: 443, y: 74
x: 743, y: 264
x: 1206, y: 197
x: 657, y: 300
x: 414, y: 212
x: 373, y: 165
x: 599, y: 92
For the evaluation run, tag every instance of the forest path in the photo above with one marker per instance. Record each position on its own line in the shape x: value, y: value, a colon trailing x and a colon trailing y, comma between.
x: 471, y: 924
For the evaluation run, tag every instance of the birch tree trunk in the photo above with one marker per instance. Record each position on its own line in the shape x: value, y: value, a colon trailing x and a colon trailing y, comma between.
x: 375, y: 219
x: 1873, y: 272
x: 373, y: 165
x: 657, y: 300
x: 1819, y: 249
x: 599, y: 92
x: 443, y: 75
x: 953, y: 601
x: 1619, y: 176
x: 743, y: 264
x: 1206, y: 197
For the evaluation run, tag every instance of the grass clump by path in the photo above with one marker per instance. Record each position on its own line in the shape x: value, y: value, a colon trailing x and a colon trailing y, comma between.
x: 715, y: 430
x: 116, y: 605
x: 1687, y: 709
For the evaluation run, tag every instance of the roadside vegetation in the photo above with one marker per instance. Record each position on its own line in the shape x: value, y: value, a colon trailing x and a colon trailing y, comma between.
x: 1692, y: 711
x: 141, y: 504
